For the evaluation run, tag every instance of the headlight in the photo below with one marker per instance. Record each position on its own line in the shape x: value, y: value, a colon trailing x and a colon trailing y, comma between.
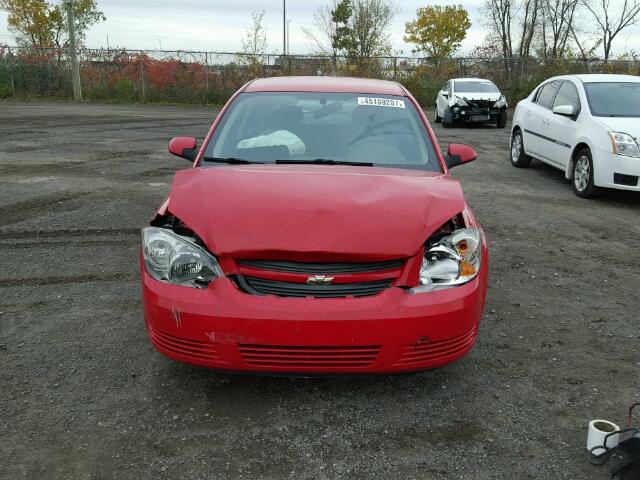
x: 502, y: 102
x: 460, y: 102
x: 171, y: 258
x: 624, y: 144
x: 453, y: 260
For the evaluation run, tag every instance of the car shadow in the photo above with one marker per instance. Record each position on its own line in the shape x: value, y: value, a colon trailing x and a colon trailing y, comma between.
x: 612, y: 196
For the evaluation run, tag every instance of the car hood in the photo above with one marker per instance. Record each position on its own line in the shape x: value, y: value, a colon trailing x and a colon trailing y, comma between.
x: 479, y: 96
x: 309, y: 211
x: 629, y: 125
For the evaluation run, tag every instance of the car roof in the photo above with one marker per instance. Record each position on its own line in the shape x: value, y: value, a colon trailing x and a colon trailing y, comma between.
x: 325, y: 84
x: 599, y: 77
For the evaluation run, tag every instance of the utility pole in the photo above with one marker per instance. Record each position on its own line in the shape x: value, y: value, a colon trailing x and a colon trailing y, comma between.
x: 75, y: 68
x: 284, y: 27
x: 288, y: 37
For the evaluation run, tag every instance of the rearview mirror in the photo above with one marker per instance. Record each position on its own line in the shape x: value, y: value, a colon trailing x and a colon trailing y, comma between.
x: 184, y: 147
x: 564, y: 110
x: 445, y: 94
x: 459, y: 154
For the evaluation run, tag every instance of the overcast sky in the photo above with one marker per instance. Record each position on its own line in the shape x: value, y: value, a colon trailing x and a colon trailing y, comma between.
x: 219, y: 25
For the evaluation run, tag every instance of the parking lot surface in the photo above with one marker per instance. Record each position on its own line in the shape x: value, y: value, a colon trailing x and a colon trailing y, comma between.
x: 84, y: 395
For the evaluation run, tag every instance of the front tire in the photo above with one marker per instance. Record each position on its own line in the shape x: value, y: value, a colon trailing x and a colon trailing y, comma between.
x: 583, y: 185
x: 502, y: 119
x: 436, y: 118
x: 519, y: 159
x: 447, y: 119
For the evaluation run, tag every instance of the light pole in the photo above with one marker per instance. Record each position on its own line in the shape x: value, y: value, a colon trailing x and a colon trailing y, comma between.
x: 284, y: 27
x: 288, y: 37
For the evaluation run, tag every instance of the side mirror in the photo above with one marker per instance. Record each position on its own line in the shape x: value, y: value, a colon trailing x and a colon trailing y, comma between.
x: 184, y: 147
x: 459, y: 154
x: 564, y: 110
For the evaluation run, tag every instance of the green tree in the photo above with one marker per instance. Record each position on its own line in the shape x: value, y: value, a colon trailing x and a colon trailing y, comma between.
x: 438, y: 31
x: 343, y: 37
x: 43, y: 24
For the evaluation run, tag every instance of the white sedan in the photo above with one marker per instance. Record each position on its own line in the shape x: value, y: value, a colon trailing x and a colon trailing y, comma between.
x: 585, y: 125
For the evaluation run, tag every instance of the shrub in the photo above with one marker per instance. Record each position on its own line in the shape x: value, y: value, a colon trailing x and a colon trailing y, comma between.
x: 124, y: 90
x: 5, y: 90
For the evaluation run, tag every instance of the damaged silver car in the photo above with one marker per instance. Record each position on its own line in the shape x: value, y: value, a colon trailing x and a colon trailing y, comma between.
x: 470, y: 100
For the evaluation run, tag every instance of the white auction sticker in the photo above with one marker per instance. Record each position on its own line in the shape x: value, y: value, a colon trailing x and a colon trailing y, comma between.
x: 381, y: 102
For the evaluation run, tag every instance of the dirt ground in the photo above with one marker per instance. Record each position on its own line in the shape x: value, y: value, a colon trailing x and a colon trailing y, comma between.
x: 84, y: 395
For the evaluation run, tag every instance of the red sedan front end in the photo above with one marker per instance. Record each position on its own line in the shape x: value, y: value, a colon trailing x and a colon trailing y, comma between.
x: 310, y: 265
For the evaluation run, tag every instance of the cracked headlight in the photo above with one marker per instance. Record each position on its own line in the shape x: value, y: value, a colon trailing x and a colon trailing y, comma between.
x: 502, y: 102
x: 453, y: 260
x: 460, y: 102
x: 178, y: 260
x: 624, y: 144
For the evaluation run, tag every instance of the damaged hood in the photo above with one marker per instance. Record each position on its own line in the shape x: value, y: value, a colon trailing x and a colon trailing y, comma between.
x: 311, y: 210
x: 494, y: 97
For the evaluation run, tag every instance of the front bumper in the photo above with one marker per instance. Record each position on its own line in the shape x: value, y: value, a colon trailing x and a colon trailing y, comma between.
x: 476, y: 114
x: 616, y: 171
x: 395, y: 331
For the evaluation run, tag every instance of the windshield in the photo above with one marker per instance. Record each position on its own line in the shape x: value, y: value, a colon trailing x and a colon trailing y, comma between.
x: 614, y: 99
x: 474, y: 87
x: 266, y: 127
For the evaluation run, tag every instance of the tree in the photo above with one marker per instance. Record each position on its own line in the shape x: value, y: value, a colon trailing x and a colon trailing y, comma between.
x: 499, y: 20
x: 529, y: 24
x: 322, y: 42
x: 370, y: 23
x: 344, y: 36
x: 356, y: 28
x: 438, y: 31
x: 557, y: 24
x: 254, y: 43
x: 42, y: 24
x: 610, y: 24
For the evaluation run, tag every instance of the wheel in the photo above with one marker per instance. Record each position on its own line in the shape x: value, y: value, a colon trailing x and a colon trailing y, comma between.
x: 583, y: 184
x: 502, y: 119
x: 436, y: 118
x: 518, y: 157
x: 447, y: 118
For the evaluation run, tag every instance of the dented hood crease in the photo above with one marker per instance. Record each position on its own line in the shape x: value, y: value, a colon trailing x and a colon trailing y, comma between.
x: 313, y: 211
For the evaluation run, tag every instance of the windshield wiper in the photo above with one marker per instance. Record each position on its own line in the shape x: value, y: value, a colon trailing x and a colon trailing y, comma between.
x: 325, y: 161
x: 230, y: 160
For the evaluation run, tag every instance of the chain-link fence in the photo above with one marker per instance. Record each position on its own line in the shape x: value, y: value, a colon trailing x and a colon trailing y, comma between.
x: 211, y: 77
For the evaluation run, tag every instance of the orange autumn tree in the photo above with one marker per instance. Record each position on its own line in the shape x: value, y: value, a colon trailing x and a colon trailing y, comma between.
x: 38, y: 23
x: 438, y: 31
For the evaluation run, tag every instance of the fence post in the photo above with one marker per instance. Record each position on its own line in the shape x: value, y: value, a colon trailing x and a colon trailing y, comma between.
x: 75, y: 67
x: 206, y: 65
x: 12, y: 66
x: 144, y: 95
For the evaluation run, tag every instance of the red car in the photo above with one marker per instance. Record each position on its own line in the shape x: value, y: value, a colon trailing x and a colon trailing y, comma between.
x: 318, y: 231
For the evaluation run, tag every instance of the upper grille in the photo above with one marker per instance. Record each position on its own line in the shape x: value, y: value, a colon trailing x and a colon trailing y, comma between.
x: 317, y: 357
x: 321, y: 268
x: 265, y: 286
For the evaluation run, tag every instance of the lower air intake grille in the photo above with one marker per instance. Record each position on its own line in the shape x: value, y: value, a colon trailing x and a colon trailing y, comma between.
x: 309, y: 356
x: 481, y: 103
x: 193, y: 349
x: 264, y: 286
x: 427, y: 352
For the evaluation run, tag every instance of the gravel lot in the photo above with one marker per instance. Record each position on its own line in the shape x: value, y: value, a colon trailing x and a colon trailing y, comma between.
x: 84, y: 395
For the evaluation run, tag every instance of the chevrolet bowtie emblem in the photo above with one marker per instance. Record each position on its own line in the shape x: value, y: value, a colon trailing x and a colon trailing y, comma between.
x: 319, y: 280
